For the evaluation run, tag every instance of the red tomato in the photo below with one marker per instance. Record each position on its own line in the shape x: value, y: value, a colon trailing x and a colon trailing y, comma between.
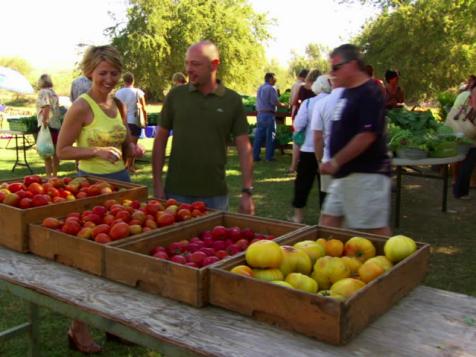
x: 15, y: 186
x: 28, y: 180
x: 36, y: 188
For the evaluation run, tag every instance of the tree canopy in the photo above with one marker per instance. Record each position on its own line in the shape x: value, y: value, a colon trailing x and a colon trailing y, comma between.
x: 158, y: 32
x: 431, y: 42
x: 315, y: 57
x: 17, y: 63
x: 384, y: 4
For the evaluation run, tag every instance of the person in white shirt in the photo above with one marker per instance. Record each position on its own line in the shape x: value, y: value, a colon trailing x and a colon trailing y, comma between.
x: 321, y: 129
x: 79, y: 86
x: 307, y: 167
x: 134, y: 100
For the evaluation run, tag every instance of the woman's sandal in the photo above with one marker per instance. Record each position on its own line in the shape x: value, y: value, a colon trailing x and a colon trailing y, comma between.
x: 74, y: 344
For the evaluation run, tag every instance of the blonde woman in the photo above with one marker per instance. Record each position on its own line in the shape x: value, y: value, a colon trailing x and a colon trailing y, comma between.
x: 96, y: 123
x: 49, y: 115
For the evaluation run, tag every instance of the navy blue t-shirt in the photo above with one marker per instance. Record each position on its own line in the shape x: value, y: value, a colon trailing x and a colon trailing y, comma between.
x: 361, y: 109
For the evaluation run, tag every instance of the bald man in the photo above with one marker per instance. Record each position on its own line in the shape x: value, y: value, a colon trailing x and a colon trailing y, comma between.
x: 203, y: 116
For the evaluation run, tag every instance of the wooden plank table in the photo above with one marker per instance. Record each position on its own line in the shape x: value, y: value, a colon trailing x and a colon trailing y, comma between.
x: 401, y: 163
x: 428, y: 322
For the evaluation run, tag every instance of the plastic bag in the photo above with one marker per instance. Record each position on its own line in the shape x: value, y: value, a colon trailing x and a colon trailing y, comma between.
x: 44, y: 143
x: 299, y: 137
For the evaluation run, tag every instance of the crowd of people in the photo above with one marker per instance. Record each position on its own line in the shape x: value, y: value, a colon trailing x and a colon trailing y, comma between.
x: 340, y: 116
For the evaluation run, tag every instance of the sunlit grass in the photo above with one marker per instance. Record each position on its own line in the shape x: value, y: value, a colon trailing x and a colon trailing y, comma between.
x: 446, y: 250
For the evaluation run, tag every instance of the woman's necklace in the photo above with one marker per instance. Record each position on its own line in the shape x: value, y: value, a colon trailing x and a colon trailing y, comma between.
x: 106, y: 106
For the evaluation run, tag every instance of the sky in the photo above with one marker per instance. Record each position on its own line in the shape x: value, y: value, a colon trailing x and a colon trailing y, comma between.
x: 49, y: 33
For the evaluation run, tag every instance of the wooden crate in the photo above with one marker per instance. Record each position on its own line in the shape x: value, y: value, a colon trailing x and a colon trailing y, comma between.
x: 326, y: 319
x: 14, y: 221
x: 84, y: 254
x: 131, y: 264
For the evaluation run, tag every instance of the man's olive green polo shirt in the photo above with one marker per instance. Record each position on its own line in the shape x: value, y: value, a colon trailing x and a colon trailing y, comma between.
x: 201, y: 126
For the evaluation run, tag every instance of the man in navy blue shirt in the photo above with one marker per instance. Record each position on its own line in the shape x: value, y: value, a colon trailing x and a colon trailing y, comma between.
x: 266, y: 103
x: 359, y: 195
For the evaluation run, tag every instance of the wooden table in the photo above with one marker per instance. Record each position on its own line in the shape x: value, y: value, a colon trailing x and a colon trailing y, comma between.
x: 401, y: 163
x: 428, y: 322
x: 23, y: 147
x: 280, y: 116
x: 280, y: 120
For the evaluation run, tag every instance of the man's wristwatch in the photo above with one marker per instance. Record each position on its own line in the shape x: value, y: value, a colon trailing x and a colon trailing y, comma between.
x: 248, y: 190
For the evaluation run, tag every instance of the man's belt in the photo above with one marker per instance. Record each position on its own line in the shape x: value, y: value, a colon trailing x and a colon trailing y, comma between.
x: 267, y: 111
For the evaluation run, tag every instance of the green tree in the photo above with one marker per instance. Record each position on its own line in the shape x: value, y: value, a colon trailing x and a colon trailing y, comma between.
x: 19, y: 64
x: 315, y: 56
x: 384, y: 4
x: 158, y: 32
x: 431, y: 42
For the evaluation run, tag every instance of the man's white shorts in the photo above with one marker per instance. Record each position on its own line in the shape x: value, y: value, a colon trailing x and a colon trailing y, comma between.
x: 325, y: 182
x: 362, y: 199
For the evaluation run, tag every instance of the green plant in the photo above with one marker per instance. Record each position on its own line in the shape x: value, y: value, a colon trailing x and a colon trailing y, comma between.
x: 284, y: 98
x: 404, y: 138
x: 445, y: 100
x: 415, y: 121
x: 284, y: 134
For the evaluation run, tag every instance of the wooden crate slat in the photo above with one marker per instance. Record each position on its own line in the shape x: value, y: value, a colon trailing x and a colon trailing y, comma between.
x: 68, y: 250
x: 130, y: 262
x: 384, y: 292
x: 15, y: 220
x: 322, y: 318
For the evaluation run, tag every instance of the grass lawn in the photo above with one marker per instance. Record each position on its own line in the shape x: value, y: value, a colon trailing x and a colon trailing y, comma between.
x: 450, y: 234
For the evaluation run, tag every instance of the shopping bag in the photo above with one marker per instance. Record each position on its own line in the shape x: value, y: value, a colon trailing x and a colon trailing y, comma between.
x: 44, y: 143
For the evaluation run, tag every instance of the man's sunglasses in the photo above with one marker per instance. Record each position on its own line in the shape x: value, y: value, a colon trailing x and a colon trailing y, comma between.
x: 337, y: 66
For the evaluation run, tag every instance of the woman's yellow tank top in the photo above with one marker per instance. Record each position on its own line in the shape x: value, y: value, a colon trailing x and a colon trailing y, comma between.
x: 101, y: 132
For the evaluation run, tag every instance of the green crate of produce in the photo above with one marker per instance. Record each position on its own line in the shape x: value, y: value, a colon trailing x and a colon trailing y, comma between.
x: 283, y: 110
x: 153, y: 118
x: 249, y: 108
x: 23, y: 124
x: 284, y: 134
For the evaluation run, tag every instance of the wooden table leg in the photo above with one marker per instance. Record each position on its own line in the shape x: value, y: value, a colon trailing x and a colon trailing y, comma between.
x: 24, y: 155
x: 397, y: 196
x: 33, y: 331
x: 445, y: 188
x: 17, y: 160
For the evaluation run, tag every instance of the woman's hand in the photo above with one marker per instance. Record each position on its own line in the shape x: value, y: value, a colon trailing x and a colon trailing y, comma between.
x: 130, y: 150
x: 108, y: 153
